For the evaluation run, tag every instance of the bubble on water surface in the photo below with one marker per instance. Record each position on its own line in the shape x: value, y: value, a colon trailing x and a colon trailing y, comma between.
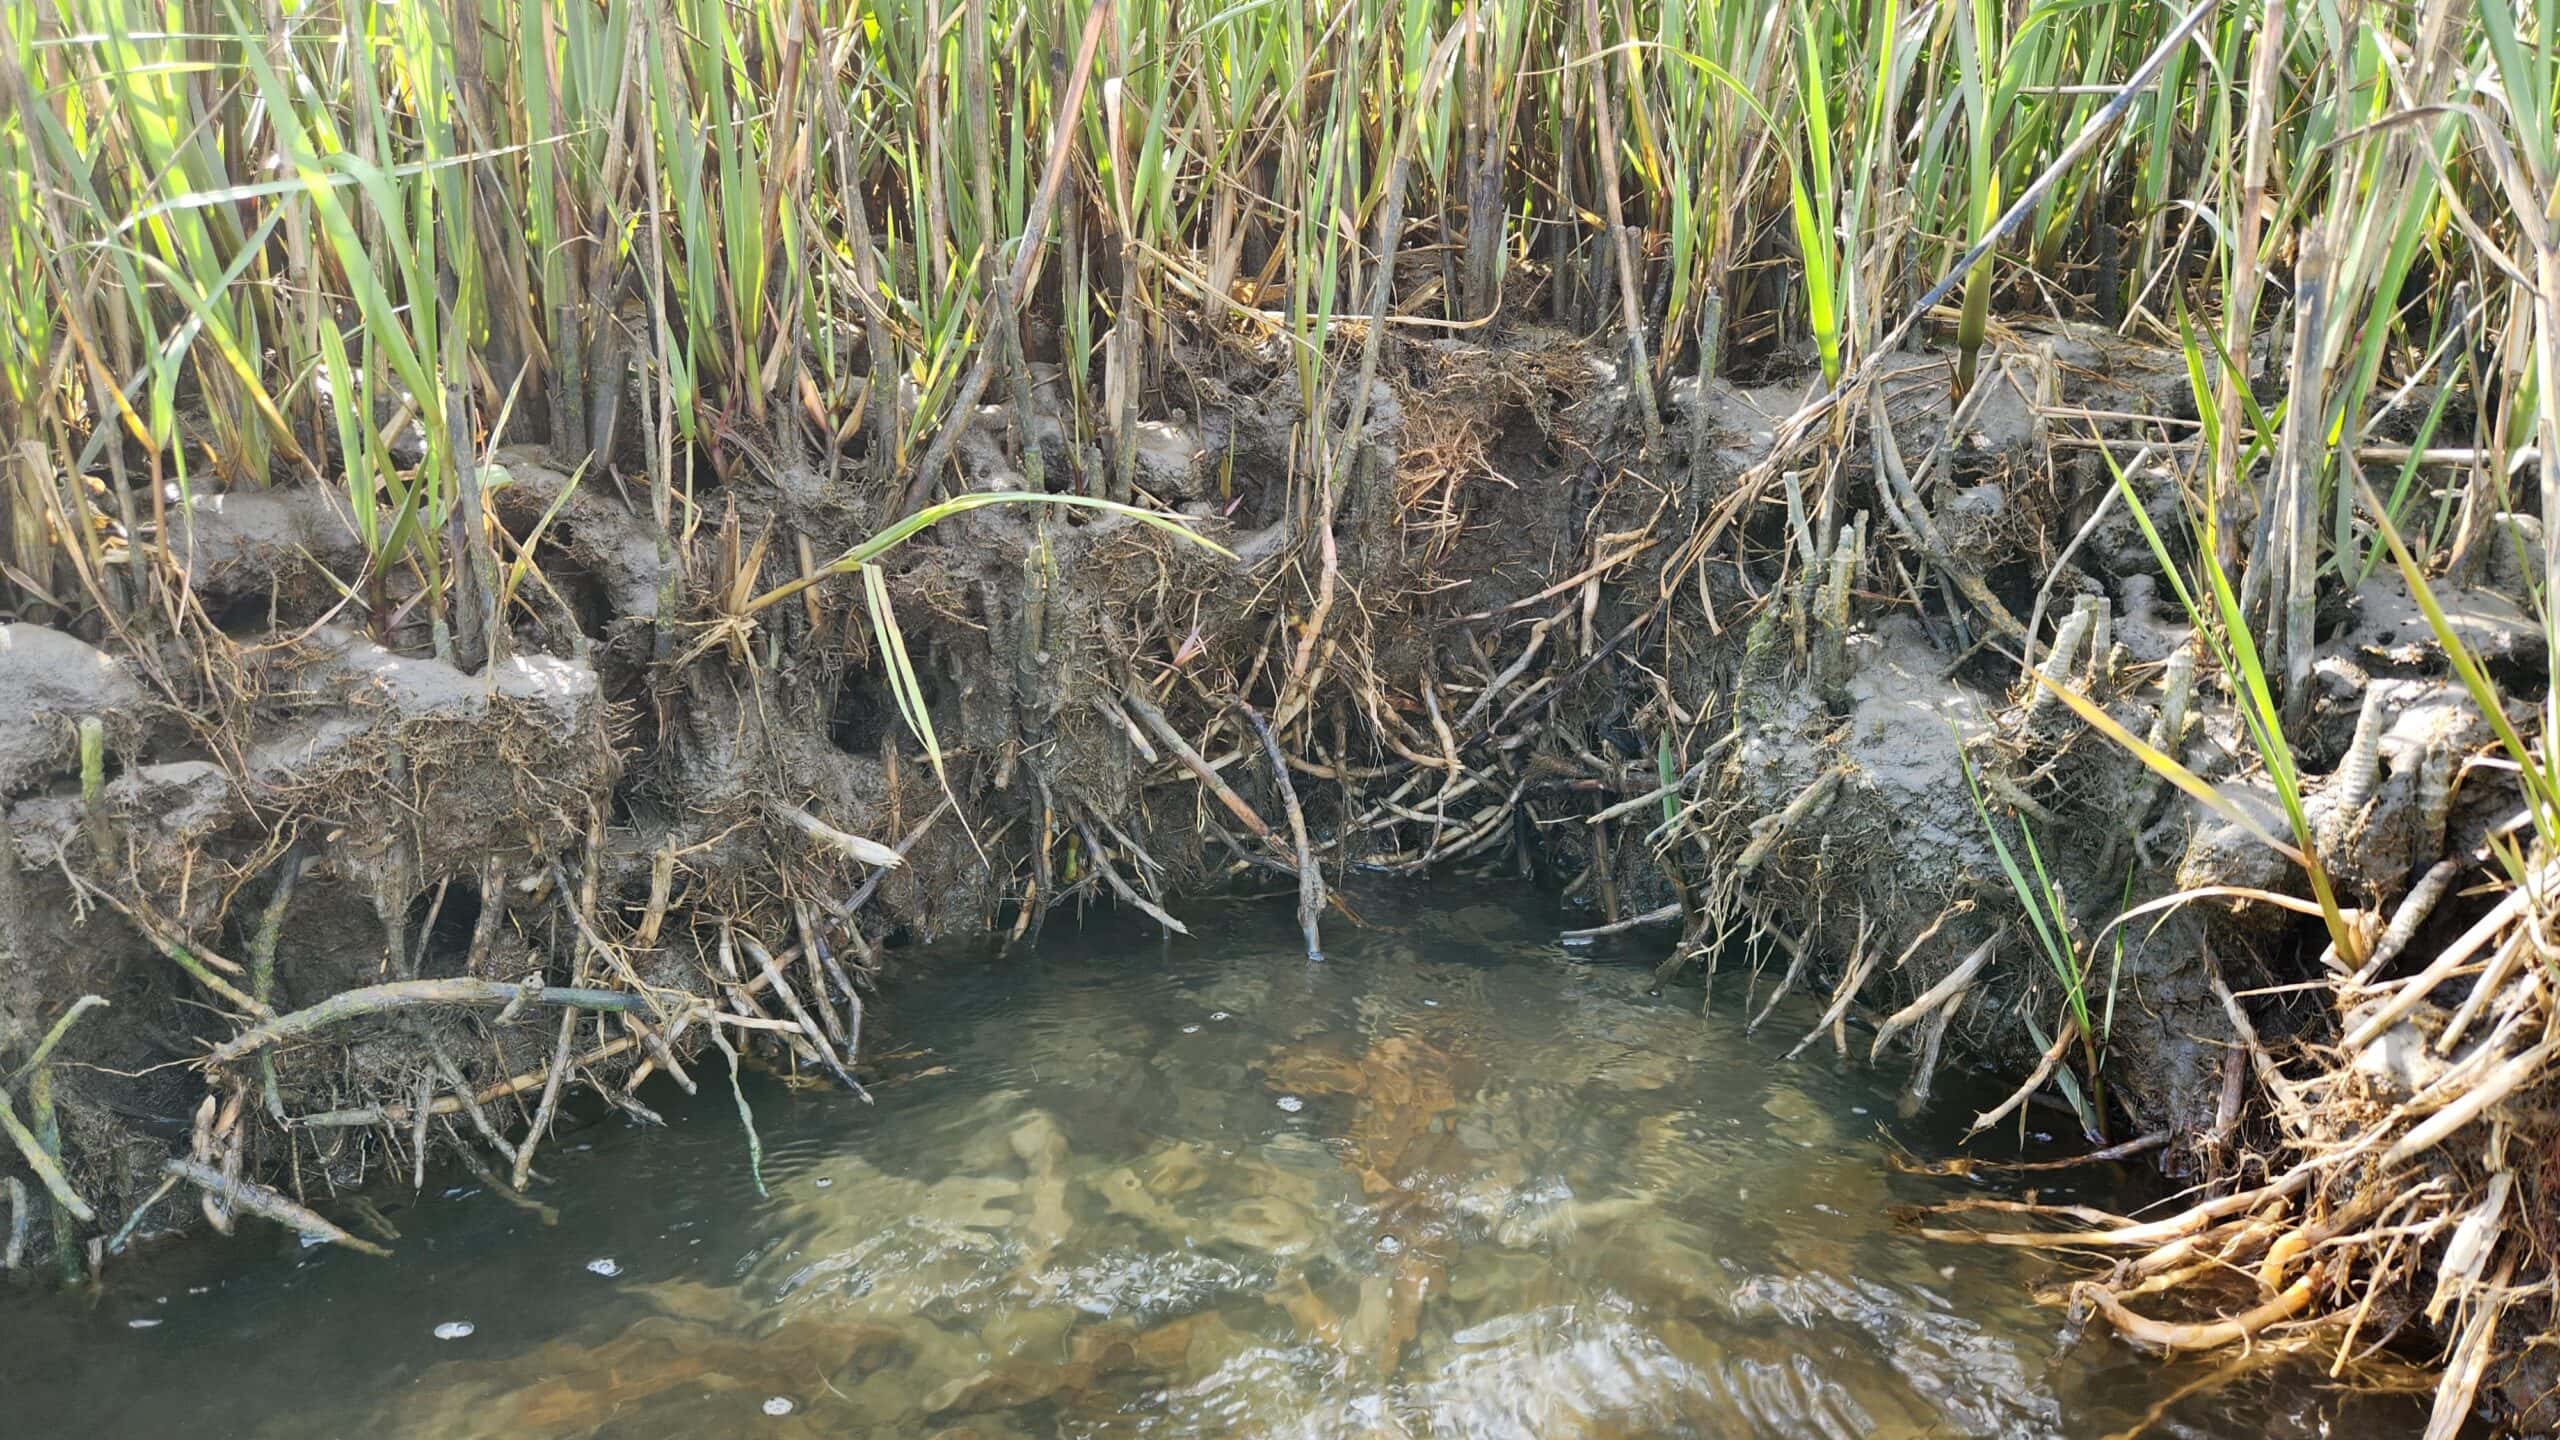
x: 1292, y: 1104
x: 455, y: 1330
x: 604, y: 1265
x: 778, y: 1405
x: 1190, y: 1029
x: 1219, y: 1015
x: 824, y: 1182
x: 143, y: 1322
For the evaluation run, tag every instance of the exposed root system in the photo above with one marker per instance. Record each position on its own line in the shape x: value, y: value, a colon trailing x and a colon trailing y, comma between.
x: 700, y: 791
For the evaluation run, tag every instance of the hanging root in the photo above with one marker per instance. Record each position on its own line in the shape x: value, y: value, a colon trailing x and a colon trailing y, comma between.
x: 1915, y: 1094
x: 781, y: 986
x: 869, y: 852
x: 1145, y: 710
x: 13, y: 1249
x: 1945, y: 995
x: 1768, y: 830
x: 1853, y: 978
x: 746, y: 1115
x: 1797, y: 956
x: 403, y: 994
x: 1111, y: 876
x: 40, y: 1159
x: 1310, y: 879
x: 2035, y: 1081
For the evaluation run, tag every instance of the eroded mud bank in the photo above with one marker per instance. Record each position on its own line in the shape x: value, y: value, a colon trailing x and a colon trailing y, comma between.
x: 1532, y: 605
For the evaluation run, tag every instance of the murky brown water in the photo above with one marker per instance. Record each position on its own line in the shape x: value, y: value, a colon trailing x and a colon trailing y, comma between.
x: 1456, y: 1181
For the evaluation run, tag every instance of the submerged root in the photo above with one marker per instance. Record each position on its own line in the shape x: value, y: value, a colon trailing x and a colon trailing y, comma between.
x: 239, y: 1194
x: 2209, y: 1335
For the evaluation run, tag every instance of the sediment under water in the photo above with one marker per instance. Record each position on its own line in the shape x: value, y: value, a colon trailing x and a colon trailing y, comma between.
x: 1454, y: 1181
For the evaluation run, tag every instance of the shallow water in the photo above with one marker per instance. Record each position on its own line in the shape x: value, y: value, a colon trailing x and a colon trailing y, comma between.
x: 1455, y: 1181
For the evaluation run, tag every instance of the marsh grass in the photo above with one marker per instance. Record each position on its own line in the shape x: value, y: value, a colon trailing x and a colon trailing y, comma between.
x: 250, y: 242
x: 2073, y: 963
